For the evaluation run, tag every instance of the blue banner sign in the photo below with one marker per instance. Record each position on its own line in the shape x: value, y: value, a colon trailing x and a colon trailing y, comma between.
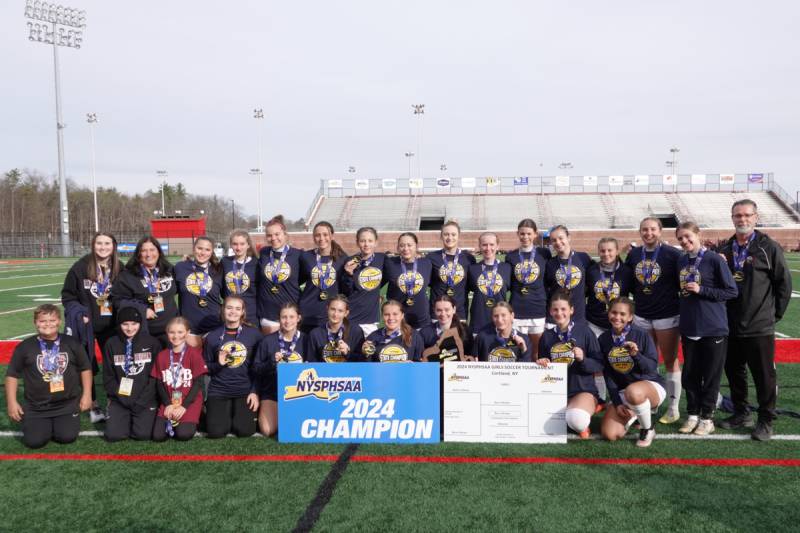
x: 358, y: 402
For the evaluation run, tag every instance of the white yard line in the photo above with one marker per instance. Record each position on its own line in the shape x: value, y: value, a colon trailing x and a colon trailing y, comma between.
x: 32, y: 276
x: 781, y: 335
x: 31, y: 287
x: 18, y: 337
x: 18, y: 310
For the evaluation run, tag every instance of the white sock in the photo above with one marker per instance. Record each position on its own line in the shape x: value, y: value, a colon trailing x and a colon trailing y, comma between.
x: 577, y: 419
x: 674, y: 390
x: 600, y: 383
x: 642, y: 412
x: 719, y: 399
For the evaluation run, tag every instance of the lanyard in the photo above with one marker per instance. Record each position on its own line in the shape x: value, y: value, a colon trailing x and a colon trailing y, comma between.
x: 176, y: 372
x: 450, y: 269
x: 50, y: 355
x: 410, y: 282
x: 325, y: 271
x: 526, y: 268
x: 238, y: 274
x: 386, y: 339
x: 565, y: 336
x: 619, y: 340
x: 490, y: 280
x: 102, y: 281
x: 334, y: 338
x: 201, y: 277
x: 567, y: 271
x: 225, y: 331
x: 277, y: 265
x: 151, y: 278
x: 366, y: 261
x: 287, y: 347
x: 126, y: 365
x: 740, y: 252
x: 608, y: 282
x: 694, y: 267
x: 647, y: 268
x: 502, y: 340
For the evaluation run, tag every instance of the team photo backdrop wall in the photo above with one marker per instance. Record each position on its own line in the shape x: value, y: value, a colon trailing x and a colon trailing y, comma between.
x: 356, y: 402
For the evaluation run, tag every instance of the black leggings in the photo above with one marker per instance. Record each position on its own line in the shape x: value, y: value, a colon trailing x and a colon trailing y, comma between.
x: 183, y: 431
x: 703, y: 361
x: 229, y: 415
x: 36, y: 432
x: 124, y: 423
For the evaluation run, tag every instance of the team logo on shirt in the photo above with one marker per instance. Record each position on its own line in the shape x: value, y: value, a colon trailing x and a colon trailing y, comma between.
x: 184, y: 376
x: 574, y: 280
x: 419, y: 282
x: 194, y: 283
x: 327, y: 270
x: 283, y: 274
x: 458, y: 276
x: 163, y: 285
x: 61, y: 363
x: 393, y: 353
x: 643, y: 265
x: 370, y: 278
x: 140, y: 360
x: 533, y: 271
x: 309, y: 383
x: 498, y: 283
x: 237, y: 353
x: 620, y: 359
x: 502, y: 355
x: 230, y: 281
x: 562, y: 352
x: 600, y: 287
x: 331, y: 354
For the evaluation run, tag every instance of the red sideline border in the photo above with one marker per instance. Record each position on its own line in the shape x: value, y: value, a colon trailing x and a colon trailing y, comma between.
x: 786, y: 351
x: 409, y: 459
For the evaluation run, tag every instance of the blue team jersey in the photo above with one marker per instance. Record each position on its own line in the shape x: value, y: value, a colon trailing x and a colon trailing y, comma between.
x: 528, y: 295
x: 410, y: 288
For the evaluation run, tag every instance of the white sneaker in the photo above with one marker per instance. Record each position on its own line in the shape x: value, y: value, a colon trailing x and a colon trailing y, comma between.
x: 690, y: 425
x: 96, y: 415
x: 646, y: 437
x: 670, y: 417
x: 705, y: 427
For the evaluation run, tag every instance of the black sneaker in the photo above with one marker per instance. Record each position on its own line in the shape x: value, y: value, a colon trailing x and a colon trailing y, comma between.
x: 736, y: 421
x: 763, y: 431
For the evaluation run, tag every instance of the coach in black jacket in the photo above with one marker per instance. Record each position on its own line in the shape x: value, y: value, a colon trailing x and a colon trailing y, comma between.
x: 765, y: 288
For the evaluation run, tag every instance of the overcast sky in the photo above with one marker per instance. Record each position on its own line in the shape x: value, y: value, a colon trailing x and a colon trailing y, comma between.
x: 510, y: 88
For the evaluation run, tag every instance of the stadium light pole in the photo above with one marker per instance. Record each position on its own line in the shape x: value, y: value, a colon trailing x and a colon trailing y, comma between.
x: 565, y: 165
x: 419, y: 111
x: 674, y: 151
x: 258, y: 114
x: 50, y: 30
x: 351, y: 169
x: 91, y: 118
x: 409, y: 155
x: 162, y: 175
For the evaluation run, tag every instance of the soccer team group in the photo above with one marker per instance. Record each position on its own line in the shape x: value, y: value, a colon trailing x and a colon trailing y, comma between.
x: 209, y: 359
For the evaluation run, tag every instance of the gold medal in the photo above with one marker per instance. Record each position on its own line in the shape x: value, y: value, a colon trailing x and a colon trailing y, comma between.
x: 409, y: 302
x: 323, y: 295
x: 202, y: 302
x: 450, y: 291
x: 738, y: 276
x: 368, y: 348
x: 274, y: 289
x: 524, y: 290
x: 647, y: 290
x: 150, y: 298
x: 490, y: 302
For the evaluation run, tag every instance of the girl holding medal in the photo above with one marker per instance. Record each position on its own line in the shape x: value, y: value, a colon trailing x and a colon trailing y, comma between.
x: 449, y: 268
x: 396, y: 342
x: 502, y: 343
x: 567, y: 270
x: 336, y: 341
x: 706, y: 284
x: 654, y: 266
x: 488, y: 281
x: 127, y: 362
x: 57, y: 377
x: 87, y: 302
x: 240, y: 272
x: 278, y: 275
x: 199, y: 285
x: 178, y: 372
x: 287, y: 345
x: 528, y: 297
x: 362, y: 279
x: 436, y: 334
x: 229, y: 352
x: 632, y: 379
x: 147, y: 283
x: 606, y: 280
x: 408, y: 277
x: 320, y: 270
x: 574, y: 344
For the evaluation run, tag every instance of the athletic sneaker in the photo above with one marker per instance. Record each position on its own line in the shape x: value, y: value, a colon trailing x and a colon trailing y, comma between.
x: 96, y: 415
x: 763, y: 431
x: 646, y: 437
x: 690, y: 424
x: 737, y: 420
x: 585, y: 434
x: 705, y: 427
x: 670, y: 417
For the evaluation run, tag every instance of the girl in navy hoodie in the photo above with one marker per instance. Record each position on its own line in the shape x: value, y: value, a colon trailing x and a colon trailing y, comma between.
x: 199, y: 281
x: 278, y: 276
x: 240, y: 272
x: 706, y: 283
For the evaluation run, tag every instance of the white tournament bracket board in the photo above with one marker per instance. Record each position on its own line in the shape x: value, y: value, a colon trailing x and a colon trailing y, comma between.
x: 505, y: 402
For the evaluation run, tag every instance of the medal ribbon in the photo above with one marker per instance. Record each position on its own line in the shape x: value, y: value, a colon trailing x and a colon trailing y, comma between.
x: 102, y: 282
x: 176, y: 373
x: 201, y: 278
x: 151, y: 278
x: 691, y: 276
x: 334, y: 338
x: 50, y: 359
x: 740, y: 252
x: 410, y: 282
x: 388, y: 338
x: 450, y: 269
x: 235, y: 338
x: 647, y: 268
x: 619, y: 340
x: 526, y: 268
x: 490, y: 282
x: 565, y: 336
x: 365, y: 262
x: 502, y: 340
x: 608, y: 282
x: 238, y: 274
x: 276, y: 266
x: 567, y: 271
x: 128, y: 362
x: 324, y: 273
x: 287, y: 347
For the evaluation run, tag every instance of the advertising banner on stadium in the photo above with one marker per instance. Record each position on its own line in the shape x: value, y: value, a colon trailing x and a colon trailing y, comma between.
x: 590, y: 181
x: 562, y: 181
x: 727, y: 179
x: 521, y: 181
x: 755, y: 178
x: 334, y: 184
x: 468, y: 183
x: 362, y: 184
x: 669, y: 180
x: 616, y: 181
x: 443, y: 183
x: 492, y: 182
x: 505, y: 402
x: 698, y: 179
x: 415, y: 183
x: 389, y: 183
x: 641, y: 179
x: 358, y: 402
